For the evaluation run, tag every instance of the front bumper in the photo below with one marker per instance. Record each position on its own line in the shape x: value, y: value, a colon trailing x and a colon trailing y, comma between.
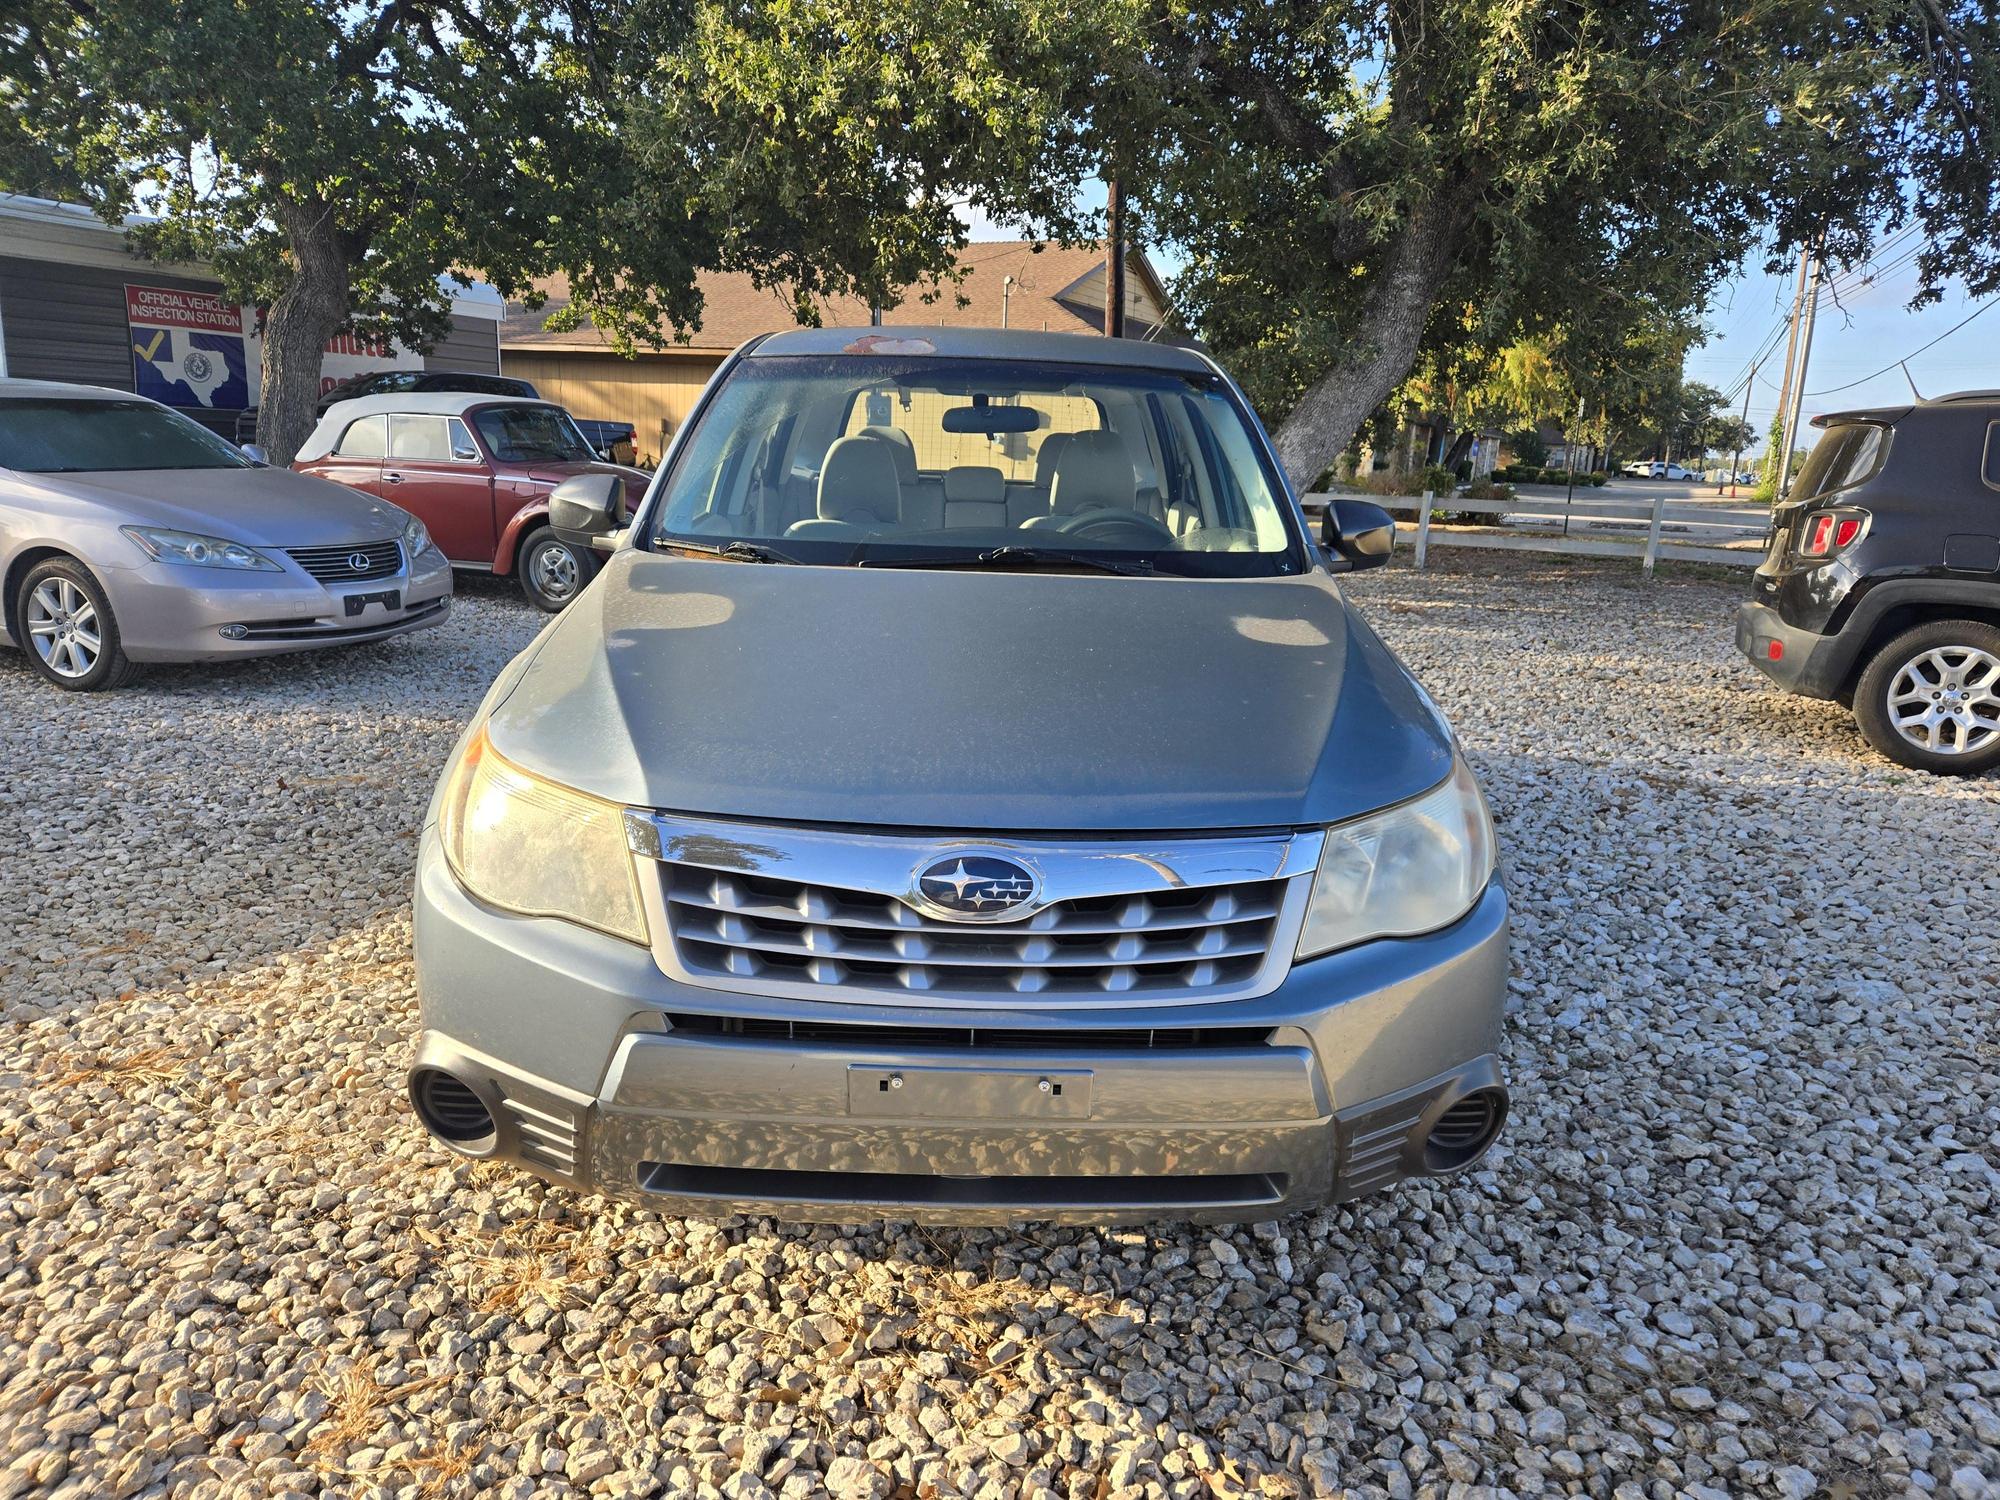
x: 167, y: 612
x: 601, y: 1072
x: 1807, y: 663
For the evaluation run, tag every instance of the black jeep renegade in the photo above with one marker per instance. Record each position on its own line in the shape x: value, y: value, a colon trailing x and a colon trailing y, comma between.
x: 1882, y: 584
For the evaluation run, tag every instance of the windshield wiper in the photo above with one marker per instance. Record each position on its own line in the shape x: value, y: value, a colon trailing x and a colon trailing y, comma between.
x: 1015, y: 556
x: 755, y: 552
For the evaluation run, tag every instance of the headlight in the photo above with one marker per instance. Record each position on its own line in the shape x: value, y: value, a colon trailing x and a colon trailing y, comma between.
x: 163, y: 545
x: 416, y: 539
x: 1414, y: 868
x: 530, y: 846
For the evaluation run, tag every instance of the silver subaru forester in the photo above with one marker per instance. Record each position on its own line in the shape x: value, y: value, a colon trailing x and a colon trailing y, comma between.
x: 963, y: 795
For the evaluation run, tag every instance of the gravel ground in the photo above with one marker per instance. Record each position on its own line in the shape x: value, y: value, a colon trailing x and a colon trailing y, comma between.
x: 1739, y: 1238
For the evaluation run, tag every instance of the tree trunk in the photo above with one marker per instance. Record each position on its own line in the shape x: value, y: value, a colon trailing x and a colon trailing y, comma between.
x: 1389, y: 331
x: 296, y: 329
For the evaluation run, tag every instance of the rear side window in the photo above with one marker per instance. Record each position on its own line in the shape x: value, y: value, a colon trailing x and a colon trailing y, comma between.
x: 435, y: 440
x: 367, y: 437
x: 1845, y: 457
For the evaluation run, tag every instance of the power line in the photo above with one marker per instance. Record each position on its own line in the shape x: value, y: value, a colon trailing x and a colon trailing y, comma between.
x: 1836, y: 389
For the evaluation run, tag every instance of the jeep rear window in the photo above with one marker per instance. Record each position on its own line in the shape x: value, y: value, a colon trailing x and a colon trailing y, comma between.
x: 1844, y: 457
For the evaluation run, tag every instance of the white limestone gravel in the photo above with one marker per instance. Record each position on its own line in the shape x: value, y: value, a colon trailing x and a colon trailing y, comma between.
x: 1739, y: 1239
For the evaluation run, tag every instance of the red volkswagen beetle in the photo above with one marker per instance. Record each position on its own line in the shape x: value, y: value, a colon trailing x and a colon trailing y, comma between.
x: 477, y: 470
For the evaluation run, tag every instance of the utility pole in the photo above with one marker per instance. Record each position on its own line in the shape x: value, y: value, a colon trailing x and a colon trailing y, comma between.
x: 1736, y: 458
x: 1114, y: 260
x: 1791, y: 347
x: 1799, y: 383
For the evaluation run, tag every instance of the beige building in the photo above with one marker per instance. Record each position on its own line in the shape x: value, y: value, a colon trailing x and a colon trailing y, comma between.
x: 1007, y: 284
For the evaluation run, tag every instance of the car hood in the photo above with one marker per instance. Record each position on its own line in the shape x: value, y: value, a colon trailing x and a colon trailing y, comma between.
x: 962, y: 700
x: 264, y: 507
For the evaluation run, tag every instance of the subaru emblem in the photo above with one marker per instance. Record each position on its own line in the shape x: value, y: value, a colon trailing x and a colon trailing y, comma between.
x: 972, y: 887
x: 358, y: 561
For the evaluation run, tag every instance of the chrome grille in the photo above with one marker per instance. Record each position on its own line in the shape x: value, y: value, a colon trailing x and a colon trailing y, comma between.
x: 335, y: 564
x: 1121, y: 922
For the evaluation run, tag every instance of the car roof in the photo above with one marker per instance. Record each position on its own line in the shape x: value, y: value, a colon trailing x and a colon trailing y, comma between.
x: 443, y: 403
x: 23, y: 389
x: 983, y: 343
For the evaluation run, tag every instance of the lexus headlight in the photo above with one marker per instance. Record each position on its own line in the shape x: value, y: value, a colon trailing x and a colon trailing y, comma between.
x: 191, y: 547
x: 416, y: 539
x: 1414, y: 868
x: 530, y: 846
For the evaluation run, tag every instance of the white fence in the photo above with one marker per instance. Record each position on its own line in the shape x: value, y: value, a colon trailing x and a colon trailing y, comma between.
x: 1654, y: 529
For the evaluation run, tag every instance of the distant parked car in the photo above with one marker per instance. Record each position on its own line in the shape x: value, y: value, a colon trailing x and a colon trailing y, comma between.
x: 129, y: 533
x: 407, y: 382
x: 478, y: 471
x: 402, y: 382
x: 1881, y: 587
x: 614, y: 442
x: 1657, y: 469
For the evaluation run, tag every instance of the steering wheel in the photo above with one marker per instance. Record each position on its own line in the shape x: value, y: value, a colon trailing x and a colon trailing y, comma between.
x: 1118, y: 526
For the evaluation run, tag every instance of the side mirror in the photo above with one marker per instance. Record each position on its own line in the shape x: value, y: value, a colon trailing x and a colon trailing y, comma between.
x: 1356, y: 534
x: 585, y: 507
x: 255, y: 454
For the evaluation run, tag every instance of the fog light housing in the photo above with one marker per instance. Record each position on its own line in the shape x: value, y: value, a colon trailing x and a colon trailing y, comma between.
x: 234, y: 632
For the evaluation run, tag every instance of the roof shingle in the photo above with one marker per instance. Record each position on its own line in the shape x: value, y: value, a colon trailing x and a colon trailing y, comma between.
x: 1055, y: 289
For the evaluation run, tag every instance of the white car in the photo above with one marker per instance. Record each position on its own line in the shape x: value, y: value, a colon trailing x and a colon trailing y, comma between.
x: 1641, y: 468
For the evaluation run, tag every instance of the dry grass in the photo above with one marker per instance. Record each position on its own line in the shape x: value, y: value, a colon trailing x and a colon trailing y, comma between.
x: 148, y: 1069
x: 439, y: 1470
x: 525, y: 1263
x: 356, y: 1412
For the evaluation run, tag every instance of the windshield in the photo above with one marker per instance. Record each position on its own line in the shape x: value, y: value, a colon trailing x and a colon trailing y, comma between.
x: 517, y: 434
x: 959, y: 462
x: 75, y: 435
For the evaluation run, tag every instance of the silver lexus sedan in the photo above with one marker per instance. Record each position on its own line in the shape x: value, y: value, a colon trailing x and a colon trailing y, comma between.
x: 130, y: 533
x: 965, y: 793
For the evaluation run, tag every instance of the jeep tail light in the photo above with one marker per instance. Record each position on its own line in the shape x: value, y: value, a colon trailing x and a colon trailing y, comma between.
x: 1828, y: 533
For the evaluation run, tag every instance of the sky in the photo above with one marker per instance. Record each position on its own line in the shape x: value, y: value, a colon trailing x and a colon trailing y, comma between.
x: 1867, y: 326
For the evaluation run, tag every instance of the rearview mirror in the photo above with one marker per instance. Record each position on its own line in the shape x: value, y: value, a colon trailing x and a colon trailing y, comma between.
x: 585, y: 506
x: 255, y: 454
x: 987, y: 419
x: 1356, y: 534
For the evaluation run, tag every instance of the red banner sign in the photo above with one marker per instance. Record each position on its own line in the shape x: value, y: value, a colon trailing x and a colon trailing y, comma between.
x: 167, y: 307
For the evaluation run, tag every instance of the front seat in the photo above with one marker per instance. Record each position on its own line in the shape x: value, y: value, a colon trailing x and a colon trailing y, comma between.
x: 1093, y: 473
x: 923, y: 500
x: 859, y: 493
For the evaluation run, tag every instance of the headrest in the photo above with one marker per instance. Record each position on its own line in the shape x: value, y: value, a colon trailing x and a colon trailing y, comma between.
x: 974, y: 482
x: 1094, y: 471
x: 857, y: 482
x: 905, y: 450
x: 1046, y: 456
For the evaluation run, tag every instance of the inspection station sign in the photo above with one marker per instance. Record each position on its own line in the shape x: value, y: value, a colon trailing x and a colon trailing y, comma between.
x: 187, y: 347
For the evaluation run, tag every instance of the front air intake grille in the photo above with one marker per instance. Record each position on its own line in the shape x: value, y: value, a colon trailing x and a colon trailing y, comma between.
x: 450, y: 1107
x: 1066, y: 1039
x: 826, y: 914
x: 336, y: 564
x: 1160, y: 943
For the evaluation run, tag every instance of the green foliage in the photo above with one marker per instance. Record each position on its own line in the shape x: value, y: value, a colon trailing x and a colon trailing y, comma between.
x: 1527, y: 447
x: 1490, y: 175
